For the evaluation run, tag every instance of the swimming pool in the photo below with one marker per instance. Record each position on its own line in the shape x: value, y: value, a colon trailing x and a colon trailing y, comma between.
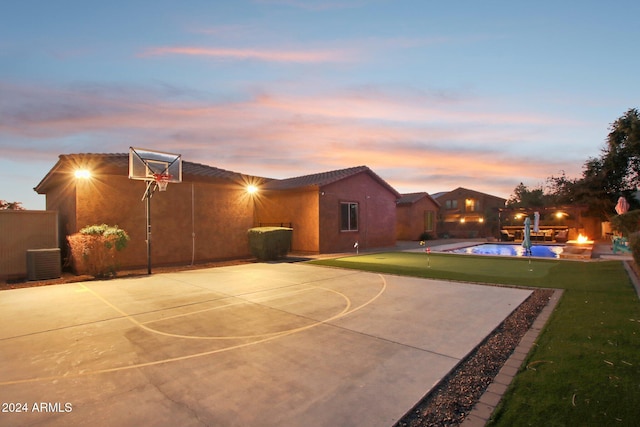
x: 504, y: 249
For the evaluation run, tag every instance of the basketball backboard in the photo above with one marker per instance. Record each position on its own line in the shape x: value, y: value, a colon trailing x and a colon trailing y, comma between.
x: 147, y: 165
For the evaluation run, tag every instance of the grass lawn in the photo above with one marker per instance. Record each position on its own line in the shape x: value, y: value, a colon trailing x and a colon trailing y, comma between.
x: 585, y: 368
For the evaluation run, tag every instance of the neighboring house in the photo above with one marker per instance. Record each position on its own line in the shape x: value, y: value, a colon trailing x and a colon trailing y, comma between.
x: 416, y: 216
x: 468, y: 213
x: 331, y: 211
x: 206, y: 217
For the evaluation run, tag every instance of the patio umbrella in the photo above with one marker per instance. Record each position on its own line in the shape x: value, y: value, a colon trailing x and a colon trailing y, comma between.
x: 536, y: 222
x: 623, y: 206
x: 526, y: 242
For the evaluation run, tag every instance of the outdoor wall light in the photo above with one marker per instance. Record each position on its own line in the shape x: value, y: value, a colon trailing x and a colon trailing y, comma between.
x: 252, y: 189
x: 82, y: 174
x: 481, y: 219
x: 559, y: 215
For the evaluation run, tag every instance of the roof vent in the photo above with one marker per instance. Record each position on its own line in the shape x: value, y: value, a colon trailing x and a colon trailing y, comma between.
x: 43, y: 264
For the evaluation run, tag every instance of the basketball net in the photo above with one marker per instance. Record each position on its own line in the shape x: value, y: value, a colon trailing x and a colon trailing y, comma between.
x: 162, y: 180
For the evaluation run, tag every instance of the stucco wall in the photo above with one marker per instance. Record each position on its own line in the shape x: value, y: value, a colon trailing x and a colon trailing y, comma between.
x: 376, y: 217
x: 218, y: 214
x: 300, y: 208
x: 410, y: 219
x: 62, y: 199
x: 21, y: 231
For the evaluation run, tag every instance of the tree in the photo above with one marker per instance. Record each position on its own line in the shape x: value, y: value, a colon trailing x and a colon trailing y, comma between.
x: 604, y: 179
x: 11, y: 206
x: 562, y: 189
x: 621, y: 157
x: 522, y: 197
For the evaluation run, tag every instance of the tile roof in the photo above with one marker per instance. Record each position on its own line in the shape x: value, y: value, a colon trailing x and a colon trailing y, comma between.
x: 462, y: 190
x: 411, y: 198
x: 120, y: 162
x: 324, y: 178
x: 318, y: 179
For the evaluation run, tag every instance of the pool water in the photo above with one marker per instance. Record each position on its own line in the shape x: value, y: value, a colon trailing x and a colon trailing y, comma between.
x: 500, y: 249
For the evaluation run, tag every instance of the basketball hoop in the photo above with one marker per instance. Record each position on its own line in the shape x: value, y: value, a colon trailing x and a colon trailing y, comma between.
x: 162, y: 180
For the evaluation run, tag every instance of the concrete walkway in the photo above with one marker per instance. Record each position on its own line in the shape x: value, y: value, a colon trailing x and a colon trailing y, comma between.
x: 256, y: 344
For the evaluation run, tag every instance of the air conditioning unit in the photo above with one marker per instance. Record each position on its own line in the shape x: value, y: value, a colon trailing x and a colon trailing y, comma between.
x: 43, y: 264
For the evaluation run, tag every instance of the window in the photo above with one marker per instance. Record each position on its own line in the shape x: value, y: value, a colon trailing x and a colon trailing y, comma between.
x: 428, y: 220
x: 472, y: 205
x: 348, y: 216
x: 451, y: 204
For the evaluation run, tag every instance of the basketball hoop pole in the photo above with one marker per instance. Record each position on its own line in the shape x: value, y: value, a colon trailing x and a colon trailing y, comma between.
x: 157, y: 169
x: 148, y: 209
x: 151, y: 188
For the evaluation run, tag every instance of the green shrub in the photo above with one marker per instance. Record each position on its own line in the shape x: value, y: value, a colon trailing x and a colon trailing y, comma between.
x: 425, y: 235
x: 634, y: 245
x: 269, y: 243
x: 94, y: 249
x: 113, y: 236
x: 626, y: 223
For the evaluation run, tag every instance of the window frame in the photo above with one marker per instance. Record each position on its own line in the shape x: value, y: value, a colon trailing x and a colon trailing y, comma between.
x: 472, y: 205
x: 429, y: 220
x: 350, y: 216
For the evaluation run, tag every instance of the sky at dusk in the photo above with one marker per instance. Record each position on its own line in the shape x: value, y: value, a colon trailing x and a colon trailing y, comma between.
x: 431, y: 95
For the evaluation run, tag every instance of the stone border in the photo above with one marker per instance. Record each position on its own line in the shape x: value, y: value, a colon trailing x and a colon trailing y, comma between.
x: 488, y: 402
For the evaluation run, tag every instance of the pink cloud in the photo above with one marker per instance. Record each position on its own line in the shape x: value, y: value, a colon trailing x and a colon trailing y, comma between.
x: 296, y: 56
x: 282, y: 136
x: 402, y: 108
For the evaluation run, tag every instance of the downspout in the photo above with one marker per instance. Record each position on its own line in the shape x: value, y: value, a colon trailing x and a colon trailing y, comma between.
x: 193, y: 225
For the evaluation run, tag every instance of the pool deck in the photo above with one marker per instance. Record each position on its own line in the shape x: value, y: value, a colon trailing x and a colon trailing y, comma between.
x: 602, y: 249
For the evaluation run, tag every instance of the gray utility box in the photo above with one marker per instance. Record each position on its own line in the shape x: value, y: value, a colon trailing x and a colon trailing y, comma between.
x: 43, y: 264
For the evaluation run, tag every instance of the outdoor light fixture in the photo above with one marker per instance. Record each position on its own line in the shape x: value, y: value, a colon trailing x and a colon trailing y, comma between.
x: 252, y: 189
x: 82, y: 174
x: 559, y: 215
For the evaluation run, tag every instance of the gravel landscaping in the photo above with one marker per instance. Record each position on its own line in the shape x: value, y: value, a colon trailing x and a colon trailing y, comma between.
x: 452, y: 400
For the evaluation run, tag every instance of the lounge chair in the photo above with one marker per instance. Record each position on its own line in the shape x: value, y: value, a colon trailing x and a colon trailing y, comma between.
x: 562, y: 236
x: 620, y: 244
x: 505, y: 236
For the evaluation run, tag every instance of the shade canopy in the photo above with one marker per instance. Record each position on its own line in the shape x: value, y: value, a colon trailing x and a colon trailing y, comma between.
x: 526, y: 242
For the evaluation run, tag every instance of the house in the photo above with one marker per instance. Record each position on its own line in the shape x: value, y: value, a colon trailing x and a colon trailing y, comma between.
x: 416, y: 215
x: 207, y: 215
x: 331, y: 211
x: 467, y: 213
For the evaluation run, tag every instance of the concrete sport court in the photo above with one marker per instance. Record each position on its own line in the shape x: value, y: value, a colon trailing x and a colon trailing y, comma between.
x: 255, y: 344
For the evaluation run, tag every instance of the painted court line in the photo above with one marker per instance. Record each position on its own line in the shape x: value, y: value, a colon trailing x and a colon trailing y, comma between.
x: 252, y: 301
x: 168, y: 334
x: 195, y: 355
